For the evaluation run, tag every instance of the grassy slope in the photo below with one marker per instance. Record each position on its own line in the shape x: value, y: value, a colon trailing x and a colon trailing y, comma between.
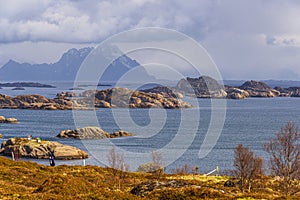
x: 28, y: 180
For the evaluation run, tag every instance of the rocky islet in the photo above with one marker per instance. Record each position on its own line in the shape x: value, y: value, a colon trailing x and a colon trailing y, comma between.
x: 91, y: 132
x: 40, y: 149
x: 207, y: 87
x: 9, y: 120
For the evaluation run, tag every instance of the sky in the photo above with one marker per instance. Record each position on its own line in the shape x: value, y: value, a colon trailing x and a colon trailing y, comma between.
x: 247, y: 39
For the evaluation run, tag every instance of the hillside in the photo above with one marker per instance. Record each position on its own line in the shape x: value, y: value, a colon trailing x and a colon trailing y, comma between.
x: 28, y: 180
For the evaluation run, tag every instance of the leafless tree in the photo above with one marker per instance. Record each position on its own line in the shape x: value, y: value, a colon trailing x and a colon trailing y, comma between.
x: 185, y: 169
x: 284, y: 152
x: 118, y: 166
x: 156, y: 157
x: 157, y: 160
x: 116, y: 161
x: 248, y: 167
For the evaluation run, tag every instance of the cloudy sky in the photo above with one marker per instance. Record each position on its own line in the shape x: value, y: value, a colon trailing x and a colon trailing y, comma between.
x: 253, y: 39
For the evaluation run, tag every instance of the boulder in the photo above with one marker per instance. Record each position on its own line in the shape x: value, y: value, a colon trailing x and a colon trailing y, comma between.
x: 39, y: 149
x: 150, y: 167
x: 232, y: 182
x: 8, y: 120
x: 2, y: 119
x: 11, y: 120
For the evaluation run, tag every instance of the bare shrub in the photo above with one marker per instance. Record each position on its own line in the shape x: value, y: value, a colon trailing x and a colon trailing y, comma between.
x: 118, y: 165
x: 248, y: 167
x: 157, y: 160
x: 284, y: 152
x: 185, y: 169
x: 149, y: 167
x: 157, y: 157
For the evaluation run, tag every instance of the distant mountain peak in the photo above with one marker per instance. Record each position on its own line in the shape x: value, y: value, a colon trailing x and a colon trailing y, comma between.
x: 65, y: 69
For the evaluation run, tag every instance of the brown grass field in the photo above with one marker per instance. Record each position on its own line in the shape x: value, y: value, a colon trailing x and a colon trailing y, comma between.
x: 29, y: 180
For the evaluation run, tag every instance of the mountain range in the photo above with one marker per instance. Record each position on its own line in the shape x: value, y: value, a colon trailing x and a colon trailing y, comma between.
x: 65, y: 69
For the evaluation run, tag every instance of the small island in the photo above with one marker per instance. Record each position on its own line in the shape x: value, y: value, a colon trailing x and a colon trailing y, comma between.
x: 18, y: 88
x: 26, y: 84
x: 109, y: 98
x: 9, y: 120
x: 91, y: 132
x: 207, y: 87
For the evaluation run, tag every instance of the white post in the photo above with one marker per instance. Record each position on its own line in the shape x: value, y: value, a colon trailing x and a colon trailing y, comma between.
x: 13, y: 155
x: 84, y: 162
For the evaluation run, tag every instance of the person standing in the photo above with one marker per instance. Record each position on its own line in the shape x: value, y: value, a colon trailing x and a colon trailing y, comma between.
x: 51, y: 161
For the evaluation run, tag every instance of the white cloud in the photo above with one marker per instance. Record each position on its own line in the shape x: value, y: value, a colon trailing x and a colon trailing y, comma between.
x: 83, y: 21
x: 242, y: 36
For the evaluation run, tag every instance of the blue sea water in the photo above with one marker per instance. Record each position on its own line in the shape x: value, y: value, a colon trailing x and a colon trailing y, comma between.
x: 251, y: 122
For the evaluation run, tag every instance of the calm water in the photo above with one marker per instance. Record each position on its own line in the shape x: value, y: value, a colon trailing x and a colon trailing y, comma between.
x: 251, y: 122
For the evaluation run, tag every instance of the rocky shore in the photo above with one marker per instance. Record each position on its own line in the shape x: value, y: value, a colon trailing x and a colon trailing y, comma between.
x: 91, y: 132
x: 40, y: 149
x: 34, y: 102
x: 207, y: 87
x: 157, y: 97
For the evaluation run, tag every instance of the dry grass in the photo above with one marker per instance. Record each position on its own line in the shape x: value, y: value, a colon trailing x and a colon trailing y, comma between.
x: 28, y: 180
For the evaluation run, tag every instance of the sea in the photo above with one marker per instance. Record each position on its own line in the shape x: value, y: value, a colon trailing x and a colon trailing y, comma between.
x: 177, y: 135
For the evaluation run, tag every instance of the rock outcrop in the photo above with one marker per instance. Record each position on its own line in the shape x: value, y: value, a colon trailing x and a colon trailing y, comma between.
x: 37, y: 149
x: 289, y: 92
x: 34, y: 102
x: 62, y: 95
x: 166, y: 91
x: 110, y: 98
x: 259, y: 89
x: 144, y: 188
x: 10, y: 120
x: 202, y: 87
x: 207, y: 87
x: 120, y: 133
x: 125, y: 98
x: 91, y: 132
x: 38, y: 102
x: 236, y: 93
